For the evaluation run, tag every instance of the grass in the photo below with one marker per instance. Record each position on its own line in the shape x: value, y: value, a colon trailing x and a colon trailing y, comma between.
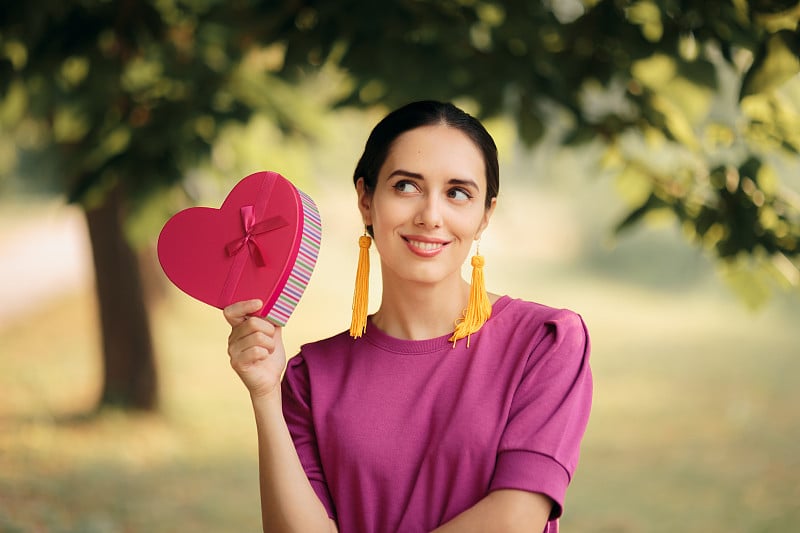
x: 694, y: 427
x: 189, y: 468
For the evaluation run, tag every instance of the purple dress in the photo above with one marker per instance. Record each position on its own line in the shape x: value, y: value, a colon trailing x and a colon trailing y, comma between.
x: 402, y: 436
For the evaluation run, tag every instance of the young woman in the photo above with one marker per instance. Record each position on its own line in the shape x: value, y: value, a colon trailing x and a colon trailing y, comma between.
x: 411, y: 426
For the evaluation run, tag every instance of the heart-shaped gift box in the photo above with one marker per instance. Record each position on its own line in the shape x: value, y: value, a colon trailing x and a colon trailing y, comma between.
x: 261, y: 243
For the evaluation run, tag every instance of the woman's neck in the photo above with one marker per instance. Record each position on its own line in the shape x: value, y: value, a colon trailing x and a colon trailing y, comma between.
x: 417, y: 311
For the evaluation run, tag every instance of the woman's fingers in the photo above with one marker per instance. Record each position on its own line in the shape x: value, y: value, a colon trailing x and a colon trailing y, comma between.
x: 244, y: 338
x: 255, y: 347
x: 253, y: 335
x: 249, y: 325
x: 238, y: 312
x: 249, y: 356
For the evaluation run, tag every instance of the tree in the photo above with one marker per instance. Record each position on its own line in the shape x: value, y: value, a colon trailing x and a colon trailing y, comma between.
x: 112, y: 103
x: 115, y: 102
x: 697, y: 102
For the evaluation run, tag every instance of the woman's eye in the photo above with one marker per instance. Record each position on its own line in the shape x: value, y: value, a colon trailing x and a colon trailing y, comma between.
x: 405, y: 186
x: 459, y: 194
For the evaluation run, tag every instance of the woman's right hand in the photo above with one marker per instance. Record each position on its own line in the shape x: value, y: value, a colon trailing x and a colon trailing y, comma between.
x: 255, y: 348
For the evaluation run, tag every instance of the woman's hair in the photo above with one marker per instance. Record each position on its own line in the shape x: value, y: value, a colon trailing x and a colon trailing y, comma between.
x: 426, y: 113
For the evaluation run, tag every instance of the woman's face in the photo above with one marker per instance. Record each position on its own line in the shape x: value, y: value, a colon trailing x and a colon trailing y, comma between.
x: 428, y: 204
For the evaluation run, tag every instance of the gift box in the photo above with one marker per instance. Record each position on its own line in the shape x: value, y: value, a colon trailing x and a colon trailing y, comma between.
x: 263, y: 242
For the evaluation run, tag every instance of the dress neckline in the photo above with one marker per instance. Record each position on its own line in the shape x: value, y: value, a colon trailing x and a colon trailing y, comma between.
x: 386, y: 342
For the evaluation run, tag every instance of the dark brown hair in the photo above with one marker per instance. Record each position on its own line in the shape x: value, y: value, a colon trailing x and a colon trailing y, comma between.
x: 426, y: 113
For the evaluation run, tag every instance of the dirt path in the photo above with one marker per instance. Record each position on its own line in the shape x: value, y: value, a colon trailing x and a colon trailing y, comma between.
x: 44, y: 254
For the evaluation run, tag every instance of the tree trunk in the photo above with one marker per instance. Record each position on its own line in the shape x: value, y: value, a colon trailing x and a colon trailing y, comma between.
x: 129, y: 370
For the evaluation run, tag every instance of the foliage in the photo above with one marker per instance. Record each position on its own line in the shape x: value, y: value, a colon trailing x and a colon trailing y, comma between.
x: 696, y: 101
x: 102, y: 92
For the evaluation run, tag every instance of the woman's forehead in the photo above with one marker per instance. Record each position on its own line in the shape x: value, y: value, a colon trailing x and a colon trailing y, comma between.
x: 437, y: 148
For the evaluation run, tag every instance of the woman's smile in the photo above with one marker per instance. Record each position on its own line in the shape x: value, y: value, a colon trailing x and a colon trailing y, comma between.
x: 425, y: 247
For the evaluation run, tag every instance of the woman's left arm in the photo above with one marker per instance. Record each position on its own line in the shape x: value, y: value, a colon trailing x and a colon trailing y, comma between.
x: 540, y: 444
x: 505, y: 511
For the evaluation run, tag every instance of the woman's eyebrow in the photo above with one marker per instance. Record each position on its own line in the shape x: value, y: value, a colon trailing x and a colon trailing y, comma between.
x: 416, y: 175
x: 468, y: 183
x: 406, y: 173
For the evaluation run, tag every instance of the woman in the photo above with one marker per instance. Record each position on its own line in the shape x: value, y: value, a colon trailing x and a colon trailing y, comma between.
x: 414, y: 427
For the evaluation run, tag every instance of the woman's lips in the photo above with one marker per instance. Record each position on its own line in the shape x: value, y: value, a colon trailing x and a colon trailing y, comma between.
x: 425, y: 248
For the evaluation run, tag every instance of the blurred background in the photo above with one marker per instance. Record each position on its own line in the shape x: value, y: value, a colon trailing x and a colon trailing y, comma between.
x: 649, y: 181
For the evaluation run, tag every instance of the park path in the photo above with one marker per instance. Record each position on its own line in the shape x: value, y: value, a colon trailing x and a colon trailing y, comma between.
x: 44, y: 254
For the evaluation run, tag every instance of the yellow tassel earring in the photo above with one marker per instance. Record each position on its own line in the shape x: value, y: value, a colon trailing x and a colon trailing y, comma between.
x: 358, y: 324
x: 479, y: 308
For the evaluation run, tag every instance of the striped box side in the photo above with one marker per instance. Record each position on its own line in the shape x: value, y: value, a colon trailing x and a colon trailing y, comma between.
x: 303, y: 265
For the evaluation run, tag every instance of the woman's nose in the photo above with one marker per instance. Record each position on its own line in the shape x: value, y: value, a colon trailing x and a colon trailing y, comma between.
x: 430, y: 212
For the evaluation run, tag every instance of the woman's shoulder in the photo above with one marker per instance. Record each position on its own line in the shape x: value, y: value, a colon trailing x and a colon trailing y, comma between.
x: 531, y: 322
x: 327, y: 347
x: 521, y: 310
x: 320, y: 353
x: 541, y: 332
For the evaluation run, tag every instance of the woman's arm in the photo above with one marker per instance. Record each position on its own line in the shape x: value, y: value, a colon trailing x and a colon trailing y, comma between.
x: 288, y: 502
x: 539, y: 447
x: 504, y: 511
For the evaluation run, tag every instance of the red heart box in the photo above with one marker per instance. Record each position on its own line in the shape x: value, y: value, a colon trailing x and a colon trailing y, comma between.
x: 261, y: 243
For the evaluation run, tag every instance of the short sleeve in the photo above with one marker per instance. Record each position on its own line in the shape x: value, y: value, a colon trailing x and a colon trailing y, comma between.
x: 549, y: 411
x: 296, y: 398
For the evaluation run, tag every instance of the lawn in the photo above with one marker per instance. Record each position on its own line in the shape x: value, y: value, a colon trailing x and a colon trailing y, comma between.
x: 695, y: 425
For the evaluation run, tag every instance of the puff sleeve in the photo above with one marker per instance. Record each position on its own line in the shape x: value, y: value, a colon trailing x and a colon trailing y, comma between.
x: 549, y: 411
x: 297, y: 411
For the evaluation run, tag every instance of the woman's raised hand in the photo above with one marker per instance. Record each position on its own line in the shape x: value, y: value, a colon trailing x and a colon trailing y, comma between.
x: 255, y: 348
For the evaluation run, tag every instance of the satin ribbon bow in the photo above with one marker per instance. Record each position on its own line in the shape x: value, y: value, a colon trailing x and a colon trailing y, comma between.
x: 251, y: 229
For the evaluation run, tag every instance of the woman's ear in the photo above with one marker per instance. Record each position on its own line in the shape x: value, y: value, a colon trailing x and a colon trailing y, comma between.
x: 364, y: 202
x: 487, y: 214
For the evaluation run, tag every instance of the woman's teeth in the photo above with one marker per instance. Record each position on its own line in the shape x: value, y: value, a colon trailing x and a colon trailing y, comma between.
x: 426, y: 245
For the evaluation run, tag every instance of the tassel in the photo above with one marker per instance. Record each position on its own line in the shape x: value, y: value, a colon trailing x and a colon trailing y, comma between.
x: 358, y: 324
x: 479, y: 308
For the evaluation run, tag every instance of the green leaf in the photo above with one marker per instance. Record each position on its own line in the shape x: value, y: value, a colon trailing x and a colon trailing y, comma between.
x: 772, y: 6
x: 700, y: 72
x: 652, y: 203
x: 775, y: 63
